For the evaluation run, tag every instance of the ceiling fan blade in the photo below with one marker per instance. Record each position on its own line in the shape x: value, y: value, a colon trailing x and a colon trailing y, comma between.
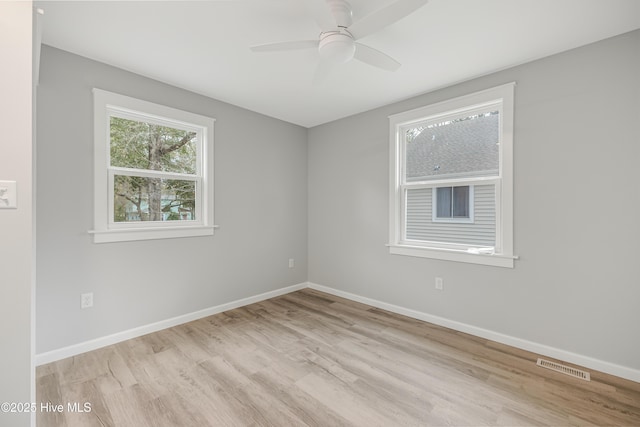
x: 321, y: 14
x: 322, y: 71
x: 386, y: 16
x: 284, y: 46
x: 374, y: 57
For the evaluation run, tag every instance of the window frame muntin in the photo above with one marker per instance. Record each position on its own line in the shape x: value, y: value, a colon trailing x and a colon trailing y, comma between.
x: 105, y: 229
x: 398, y: 125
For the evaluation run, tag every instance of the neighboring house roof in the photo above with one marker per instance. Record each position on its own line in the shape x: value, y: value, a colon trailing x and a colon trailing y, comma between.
x: 467, y: 147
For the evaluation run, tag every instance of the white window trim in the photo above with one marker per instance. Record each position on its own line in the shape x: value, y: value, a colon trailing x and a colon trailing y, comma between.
x: 458, y: 220
x: 105, y: 229
x: 502, y: 255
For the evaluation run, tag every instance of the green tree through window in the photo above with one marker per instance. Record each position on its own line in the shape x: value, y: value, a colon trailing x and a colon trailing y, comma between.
x: 141, y: 146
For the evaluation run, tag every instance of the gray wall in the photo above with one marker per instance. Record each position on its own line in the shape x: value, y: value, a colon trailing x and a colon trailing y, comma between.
x: 577, y: 204
x: 576, y: 209
x: 16, y: 226
x: 260, y: 205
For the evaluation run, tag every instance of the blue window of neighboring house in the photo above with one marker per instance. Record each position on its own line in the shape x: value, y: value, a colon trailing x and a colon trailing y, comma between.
x: 453, y: 202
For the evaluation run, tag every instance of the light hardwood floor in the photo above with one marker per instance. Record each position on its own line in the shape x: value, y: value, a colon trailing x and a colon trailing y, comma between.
x: 309, y: 358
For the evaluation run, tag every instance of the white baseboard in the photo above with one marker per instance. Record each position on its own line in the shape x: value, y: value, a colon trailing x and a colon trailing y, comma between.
x: 72, y: 350
x: 544, y: 350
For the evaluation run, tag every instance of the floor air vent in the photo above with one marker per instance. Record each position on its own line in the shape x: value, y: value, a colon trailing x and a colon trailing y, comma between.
x: 576, y: 373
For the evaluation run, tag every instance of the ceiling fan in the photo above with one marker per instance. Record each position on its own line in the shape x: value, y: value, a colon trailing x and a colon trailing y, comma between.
x: 338, y: 43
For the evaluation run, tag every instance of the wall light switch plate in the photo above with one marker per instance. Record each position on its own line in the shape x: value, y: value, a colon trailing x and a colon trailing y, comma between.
x: 8, y: 195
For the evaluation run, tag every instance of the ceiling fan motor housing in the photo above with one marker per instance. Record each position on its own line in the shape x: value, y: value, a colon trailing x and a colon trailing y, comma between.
x: 341, y: 11
x: 336, y: 46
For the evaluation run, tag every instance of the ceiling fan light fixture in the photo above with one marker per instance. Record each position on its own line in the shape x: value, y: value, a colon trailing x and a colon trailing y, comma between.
x: 337, y: 47
x: 337, y: 42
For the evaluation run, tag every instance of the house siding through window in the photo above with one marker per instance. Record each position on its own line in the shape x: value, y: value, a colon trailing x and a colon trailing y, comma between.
x: 481, y: 232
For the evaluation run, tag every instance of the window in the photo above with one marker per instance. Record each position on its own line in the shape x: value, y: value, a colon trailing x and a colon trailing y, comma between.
x: 451, y: 181
x: 453, y: 204
x: 152, y: 173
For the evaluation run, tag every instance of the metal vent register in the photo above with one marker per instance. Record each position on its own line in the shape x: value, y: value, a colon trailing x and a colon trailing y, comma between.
x: 567, y: 370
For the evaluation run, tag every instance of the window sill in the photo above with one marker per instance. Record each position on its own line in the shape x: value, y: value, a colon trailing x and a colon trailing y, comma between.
x: 495, y: 260
x: 134, y: 234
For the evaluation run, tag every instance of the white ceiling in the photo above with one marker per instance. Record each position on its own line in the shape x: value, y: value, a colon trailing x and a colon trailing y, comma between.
x: 203, y: 46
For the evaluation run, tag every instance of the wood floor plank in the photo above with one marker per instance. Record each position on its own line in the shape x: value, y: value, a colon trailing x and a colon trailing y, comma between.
x: 86, y: 392
x: 307, y: 409
x: 48, y: 392
x: 334, y: 394
x: 312, y: 359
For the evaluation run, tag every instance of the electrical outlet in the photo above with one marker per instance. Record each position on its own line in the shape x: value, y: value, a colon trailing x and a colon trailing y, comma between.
x: 86, y: 300
x: 292, y: 263
x: 439, y: 284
